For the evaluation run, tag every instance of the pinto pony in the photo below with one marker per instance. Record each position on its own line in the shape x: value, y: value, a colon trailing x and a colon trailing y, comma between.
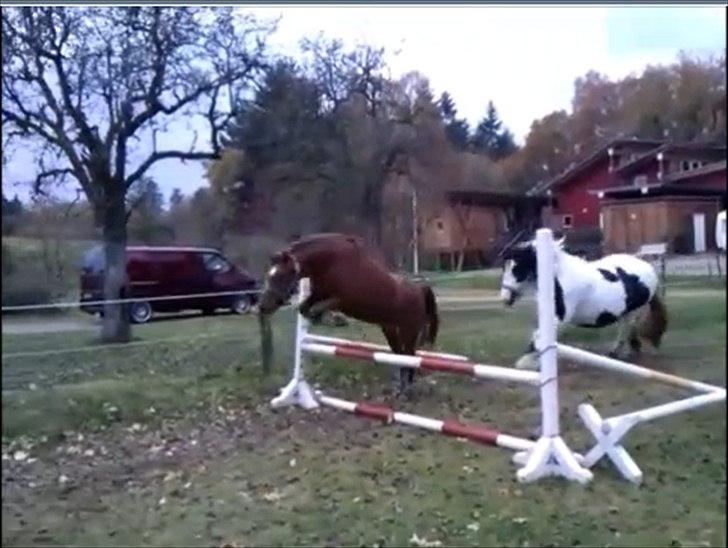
x: 349, y: 277
x: 618, y: 288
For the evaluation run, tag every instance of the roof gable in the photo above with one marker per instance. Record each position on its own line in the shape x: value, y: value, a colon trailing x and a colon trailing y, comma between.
x: 617, y: 146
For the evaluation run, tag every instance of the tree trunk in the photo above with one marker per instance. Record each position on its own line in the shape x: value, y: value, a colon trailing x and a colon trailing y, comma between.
x: 115, y: 326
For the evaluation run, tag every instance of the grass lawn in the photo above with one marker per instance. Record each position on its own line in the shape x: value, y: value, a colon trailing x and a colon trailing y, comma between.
x: 171, y: 440
x: 490, y: 280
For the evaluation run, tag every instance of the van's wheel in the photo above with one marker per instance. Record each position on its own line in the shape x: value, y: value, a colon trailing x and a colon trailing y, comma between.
x: 140, y: 312
x: 241, y: 305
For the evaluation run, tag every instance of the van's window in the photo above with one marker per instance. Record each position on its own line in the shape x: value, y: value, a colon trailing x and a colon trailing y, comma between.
x: 93, y: 260
x: 215, y: 263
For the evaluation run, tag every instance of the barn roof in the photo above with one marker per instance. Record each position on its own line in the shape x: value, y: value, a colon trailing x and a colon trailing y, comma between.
x: 491, y: 198
x: 639, y: 162
x: 595, y: 157
x: 713, y: 167
x: 654, y: 190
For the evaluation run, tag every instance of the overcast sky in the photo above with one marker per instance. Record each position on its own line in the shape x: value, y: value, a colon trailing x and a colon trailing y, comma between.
x: 525, y: 59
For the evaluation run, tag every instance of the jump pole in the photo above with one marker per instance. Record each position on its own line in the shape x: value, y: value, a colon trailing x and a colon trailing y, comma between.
x: 479, y: 434
x: 583, y: 357
x: 311, y: 337
x: 458, y: 367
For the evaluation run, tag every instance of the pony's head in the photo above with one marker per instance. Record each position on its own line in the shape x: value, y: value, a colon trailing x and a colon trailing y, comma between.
x: 280, y: 283
x: 519, y: 270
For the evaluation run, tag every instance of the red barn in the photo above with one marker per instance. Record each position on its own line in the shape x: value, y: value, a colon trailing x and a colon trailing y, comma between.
x: 639, y: 192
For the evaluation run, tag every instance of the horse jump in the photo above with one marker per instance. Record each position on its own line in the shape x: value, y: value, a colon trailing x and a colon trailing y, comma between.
x: 547, y: 456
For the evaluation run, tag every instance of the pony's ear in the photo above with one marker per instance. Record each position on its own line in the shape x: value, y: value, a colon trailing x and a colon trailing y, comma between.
x: 282, y: 258
x: 560, y: 242
x: 277, y: 258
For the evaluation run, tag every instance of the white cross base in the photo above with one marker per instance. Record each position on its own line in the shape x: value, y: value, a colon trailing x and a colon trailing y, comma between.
x: 297, y: 392
x: 608, y: 433
x: 550, y: 456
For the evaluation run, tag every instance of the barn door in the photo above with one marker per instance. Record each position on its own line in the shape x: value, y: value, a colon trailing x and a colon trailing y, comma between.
x: 699, y: 232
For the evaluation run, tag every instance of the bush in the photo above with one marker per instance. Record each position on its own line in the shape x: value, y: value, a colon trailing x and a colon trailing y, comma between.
x: 8, y: 264
x: 26, y: 296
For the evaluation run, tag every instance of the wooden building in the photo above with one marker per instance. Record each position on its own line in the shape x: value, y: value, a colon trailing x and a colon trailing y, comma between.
x: 473, y: 226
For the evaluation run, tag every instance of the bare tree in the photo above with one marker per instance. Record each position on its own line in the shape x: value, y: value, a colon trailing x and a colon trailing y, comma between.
x: 96, y: 86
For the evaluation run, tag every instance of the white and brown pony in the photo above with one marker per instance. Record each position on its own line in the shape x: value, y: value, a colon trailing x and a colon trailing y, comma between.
x: 618, y: 288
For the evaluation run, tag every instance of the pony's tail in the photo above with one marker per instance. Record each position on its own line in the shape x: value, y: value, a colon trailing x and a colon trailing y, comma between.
x: 654, y: 324
x: 433, y: 320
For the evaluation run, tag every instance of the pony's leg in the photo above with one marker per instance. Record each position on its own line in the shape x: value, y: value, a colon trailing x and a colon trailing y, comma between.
x: 624, y: 335
x: 394, y: 340
x: 410, y: 337
x: 529, y: 360
x: 635, y: 343
x: 316, y: 311
x: 305, y: 307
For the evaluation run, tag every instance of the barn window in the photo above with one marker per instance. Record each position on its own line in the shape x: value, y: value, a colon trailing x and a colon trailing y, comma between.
x: 695, y: 164
x: 640, y: 180
x: 566, y: 221
x: 440, y: 226
x: 685, y: 165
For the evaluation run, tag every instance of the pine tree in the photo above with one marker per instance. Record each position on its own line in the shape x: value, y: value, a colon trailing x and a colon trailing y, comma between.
x: 491, y: 137
x: 447, y: 107
x: 175, y: 198
x: 457, y: 130
x: 487, y: 131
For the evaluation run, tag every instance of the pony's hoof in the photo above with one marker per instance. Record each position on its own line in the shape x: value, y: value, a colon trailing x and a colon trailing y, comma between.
x: 526, y: 362
x: 616, y: 355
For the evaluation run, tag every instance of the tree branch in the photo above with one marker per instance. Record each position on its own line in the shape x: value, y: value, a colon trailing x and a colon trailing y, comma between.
x: 166, y: 155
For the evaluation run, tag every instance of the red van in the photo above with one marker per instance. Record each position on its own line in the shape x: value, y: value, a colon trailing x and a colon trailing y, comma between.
x: 169, y: 271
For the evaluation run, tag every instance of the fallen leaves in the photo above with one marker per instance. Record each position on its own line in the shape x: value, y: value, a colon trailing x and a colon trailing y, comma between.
x: 273, y: 496
x: 423, y: 542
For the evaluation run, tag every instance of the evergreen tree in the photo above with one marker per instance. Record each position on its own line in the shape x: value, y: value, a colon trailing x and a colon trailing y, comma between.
x: 447, y: 107
x: 505, y: 145
x: 456, y: 129
x: 176, y: 198
x: 491, y: 137
x: 487, y: 131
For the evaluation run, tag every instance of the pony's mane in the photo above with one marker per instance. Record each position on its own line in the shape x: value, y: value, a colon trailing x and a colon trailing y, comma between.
x: 334, y: 240
x: 308, y: 242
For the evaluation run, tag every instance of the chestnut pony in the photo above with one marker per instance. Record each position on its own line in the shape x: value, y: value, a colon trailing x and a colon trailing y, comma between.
x: 349, y: 277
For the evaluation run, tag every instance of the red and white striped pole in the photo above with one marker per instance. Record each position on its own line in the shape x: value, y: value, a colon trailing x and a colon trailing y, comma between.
x: 311, y: 337
x: 431, y: 363
x: 453, y: 428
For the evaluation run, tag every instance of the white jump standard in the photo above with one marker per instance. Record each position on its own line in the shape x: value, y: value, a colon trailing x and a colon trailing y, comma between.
x: 609, y: 432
